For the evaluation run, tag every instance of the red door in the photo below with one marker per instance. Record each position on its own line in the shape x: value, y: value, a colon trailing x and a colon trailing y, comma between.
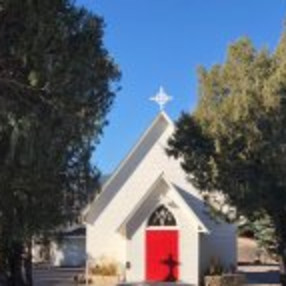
x: 162, y: 255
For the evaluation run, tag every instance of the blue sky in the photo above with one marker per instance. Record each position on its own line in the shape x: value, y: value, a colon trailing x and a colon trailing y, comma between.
x: 162, y: 42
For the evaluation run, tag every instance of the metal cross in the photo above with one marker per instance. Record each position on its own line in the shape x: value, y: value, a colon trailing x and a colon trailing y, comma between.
x: 161, y: 98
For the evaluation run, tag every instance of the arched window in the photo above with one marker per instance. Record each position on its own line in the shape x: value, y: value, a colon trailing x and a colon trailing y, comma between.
x: 162, y: 217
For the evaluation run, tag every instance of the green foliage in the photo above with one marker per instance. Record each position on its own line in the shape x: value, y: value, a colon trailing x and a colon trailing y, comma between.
x: 263, y: 230
x: 265, y: 234
x: 56, y: 87
x: 235, y: 140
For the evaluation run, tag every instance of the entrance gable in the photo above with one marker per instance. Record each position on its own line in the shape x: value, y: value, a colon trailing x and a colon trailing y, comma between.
x: 160, y: 193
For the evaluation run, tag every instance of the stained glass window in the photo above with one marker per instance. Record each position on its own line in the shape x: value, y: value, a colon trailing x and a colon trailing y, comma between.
x: 161, y: 217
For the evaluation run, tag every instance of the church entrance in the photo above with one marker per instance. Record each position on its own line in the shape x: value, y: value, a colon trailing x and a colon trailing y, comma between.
x: 162, y: 246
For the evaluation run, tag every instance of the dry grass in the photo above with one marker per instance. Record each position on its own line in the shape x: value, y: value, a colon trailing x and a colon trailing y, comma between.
x: 265, y: 273
x: 249, y: 253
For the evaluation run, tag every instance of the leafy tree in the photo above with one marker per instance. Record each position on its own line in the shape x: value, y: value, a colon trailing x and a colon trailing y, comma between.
x: 235, y: 141
x: 265, y: 235
x: 56, y: 87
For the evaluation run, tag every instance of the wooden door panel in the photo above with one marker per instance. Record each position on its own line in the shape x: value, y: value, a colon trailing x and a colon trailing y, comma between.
x: 162, y: 255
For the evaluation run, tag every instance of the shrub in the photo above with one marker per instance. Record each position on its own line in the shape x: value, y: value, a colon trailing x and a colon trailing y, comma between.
x: 215, y: 267
x: 104, y: 269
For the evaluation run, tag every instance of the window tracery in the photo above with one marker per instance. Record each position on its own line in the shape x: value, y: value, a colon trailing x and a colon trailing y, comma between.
x: 162, y: 217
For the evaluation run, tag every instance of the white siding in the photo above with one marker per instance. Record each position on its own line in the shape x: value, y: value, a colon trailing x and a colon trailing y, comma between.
x: 136, y: 233
x: 103, y: 235
x: 188, y: 246
x: 188, y: 252
x: 221, y: 245
x: 129, y: 187
x: 136, y: 256
x: 128, y: 166
x: 105, y: 244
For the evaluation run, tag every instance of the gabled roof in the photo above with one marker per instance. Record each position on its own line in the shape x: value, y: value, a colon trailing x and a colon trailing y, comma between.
x: 176, y: 197
x: 202, y: 210
x: 104, y: 178
x: 127, y: 166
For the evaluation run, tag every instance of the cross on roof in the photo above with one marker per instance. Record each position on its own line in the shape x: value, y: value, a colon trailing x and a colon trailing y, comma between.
x: 161, y: 98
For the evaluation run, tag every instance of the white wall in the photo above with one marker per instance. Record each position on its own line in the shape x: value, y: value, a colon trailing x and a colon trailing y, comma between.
x: 188, y: 252
x: 188, y: 245
x: 105, y: 244
x: 127, y: 190
x: 136, y: 233
x: 102, y: 236
x: 128, y: 166
x: 136, y: 256
x: 220, y: 244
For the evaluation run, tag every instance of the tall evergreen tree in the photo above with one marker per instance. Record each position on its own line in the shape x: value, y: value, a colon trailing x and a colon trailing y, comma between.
x: 56, y: 87
x: 235, y: 140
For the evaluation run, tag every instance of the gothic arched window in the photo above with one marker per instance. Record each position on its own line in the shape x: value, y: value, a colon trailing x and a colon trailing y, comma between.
x: 162, y: 217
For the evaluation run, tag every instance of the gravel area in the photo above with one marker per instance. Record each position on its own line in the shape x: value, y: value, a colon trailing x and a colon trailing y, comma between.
x: 248, y: 253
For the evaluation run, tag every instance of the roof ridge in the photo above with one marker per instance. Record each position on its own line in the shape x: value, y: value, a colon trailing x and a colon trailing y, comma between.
x: 123, y: 162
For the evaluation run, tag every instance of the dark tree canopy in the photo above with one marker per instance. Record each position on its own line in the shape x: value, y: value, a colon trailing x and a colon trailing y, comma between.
x: 56, y: 87
x: 235, y: 141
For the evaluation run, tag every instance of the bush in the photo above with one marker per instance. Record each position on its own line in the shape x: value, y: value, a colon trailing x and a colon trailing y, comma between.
x: 104, y: 269
x: 215, y: 267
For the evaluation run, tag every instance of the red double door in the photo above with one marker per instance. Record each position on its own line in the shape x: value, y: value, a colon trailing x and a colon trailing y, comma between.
x: 162, y: 255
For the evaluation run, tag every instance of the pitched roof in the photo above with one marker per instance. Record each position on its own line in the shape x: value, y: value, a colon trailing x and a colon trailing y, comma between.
x: 201, y: 209
x: 127, y: 166
x: 180, y: 200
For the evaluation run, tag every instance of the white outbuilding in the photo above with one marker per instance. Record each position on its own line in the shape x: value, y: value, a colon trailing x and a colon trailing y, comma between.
x: 66, y: 249
x: 69, y: 249
x: 152, y: 222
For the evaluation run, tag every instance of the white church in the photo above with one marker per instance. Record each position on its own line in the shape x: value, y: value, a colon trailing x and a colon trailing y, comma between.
x: 151, y: 221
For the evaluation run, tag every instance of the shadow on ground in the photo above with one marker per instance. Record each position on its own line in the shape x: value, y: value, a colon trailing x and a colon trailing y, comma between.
x: 50, y: 276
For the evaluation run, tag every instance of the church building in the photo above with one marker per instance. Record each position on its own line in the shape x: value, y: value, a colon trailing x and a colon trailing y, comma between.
x: 152, y: 222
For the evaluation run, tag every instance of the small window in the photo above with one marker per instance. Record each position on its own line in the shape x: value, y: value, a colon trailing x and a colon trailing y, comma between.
x: 162, y: 217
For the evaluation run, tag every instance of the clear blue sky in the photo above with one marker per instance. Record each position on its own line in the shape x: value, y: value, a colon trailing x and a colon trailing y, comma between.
x: 162, y: 42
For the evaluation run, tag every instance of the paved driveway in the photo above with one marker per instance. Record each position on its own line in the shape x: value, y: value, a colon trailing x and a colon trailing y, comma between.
x: 256, y: 274
x: 261, y: 274
x: 44, y: 276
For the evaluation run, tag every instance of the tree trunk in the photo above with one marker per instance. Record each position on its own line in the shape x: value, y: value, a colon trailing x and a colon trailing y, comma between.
x: 282, y: 262
x: 28, y: 266
x: 15, y: 265
x: 282, y: 267
x: 280, y: 228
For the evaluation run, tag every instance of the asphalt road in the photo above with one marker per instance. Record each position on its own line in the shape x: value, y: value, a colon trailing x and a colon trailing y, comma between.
x: 45, y: 276
x: 261, y: 274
